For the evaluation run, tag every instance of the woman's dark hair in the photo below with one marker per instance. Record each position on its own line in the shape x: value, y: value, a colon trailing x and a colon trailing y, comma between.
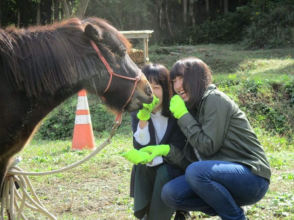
x: 196, y: 78
x: 158, y: 74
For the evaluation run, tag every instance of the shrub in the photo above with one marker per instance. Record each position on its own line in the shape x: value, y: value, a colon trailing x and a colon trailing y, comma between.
x: 271, y: 111
x: 59, y: 124
x: 225, y: 29
x: 289, y: 92
x: 268, y: 105
x: 271, y: 25
x: 259, y: 24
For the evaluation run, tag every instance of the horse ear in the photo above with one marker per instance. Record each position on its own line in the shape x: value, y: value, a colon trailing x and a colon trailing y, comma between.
x: 93, y: 33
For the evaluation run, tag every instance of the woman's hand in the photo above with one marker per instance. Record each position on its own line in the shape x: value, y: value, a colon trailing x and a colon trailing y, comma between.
x: 156, y: 150
x: 136, y: 157
x: 144, y: 113
x: 177, y: 106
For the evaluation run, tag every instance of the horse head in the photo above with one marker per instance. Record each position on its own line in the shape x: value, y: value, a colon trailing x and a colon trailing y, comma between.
x: 125, y: 86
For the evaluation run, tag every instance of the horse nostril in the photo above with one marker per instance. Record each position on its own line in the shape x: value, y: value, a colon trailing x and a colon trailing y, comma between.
x: 148, y: 90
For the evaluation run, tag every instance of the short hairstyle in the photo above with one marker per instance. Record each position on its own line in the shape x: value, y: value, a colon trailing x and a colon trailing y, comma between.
x: 158, y: 74
x: 196, y: 78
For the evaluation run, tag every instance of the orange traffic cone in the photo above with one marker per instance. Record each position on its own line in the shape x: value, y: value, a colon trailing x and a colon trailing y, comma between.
x: 83, y: 136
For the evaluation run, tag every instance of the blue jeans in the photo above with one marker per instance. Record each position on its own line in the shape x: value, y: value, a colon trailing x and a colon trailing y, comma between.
x: 215, y: 188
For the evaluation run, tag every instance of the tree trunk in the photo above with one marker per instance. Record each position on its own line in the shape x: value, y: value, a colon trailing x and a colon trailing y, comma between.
x: 56, y: 10
x: 167, y: 19
x: 158, y: 13
x: 207, y: 6
x: 48, y: 12
x: 185, y: 11
x: 221, y: 8
x: 65, y: 7
x: 191, y: 12
x: 18, y: 14
x: 226, y: 6
x: 81, y: 9
x: 38, y: 13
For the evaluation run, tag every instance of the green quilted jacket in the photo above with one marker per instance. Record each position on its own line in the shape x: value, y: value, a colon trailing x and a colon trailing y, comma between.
x: 220, y: 131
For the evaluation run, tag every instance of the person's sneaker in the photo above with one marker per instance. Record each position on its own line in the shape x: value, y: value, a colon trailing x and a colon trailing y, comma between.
x: 182, y: 215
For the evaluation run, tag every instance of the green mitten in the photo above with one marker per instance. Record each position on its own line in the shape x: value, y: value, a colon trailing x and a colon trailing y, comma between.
x: 137, y: 157
x: 144, y: 113
x: 177, y: 106
x: 156, y: 150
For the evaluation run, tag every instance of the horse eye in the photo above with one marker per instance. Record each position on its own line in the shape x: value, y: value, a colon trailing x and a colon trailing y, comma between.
x: 119, y: 53
x: 122, y: 53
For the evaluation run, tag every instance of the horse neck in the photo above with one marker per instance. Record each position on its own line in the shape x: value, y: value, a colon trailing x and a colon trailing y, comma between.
x: 44, y: 107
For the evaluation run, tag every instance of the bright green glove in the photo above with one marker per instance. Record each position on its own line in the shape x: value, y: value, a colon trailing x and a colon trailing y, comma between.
x: 136, y: 157
x: 144, y: 113
x: 177, y: 106
x: 156, y: 150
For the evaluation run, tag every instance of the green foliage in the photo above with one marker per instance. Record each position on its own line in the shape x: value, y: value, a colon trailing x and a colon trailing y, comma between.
x: 225, y: 29
x: 289, y: 92
x: 121, y: 14
x: 272, y: 24
x: 259, y: 24
x: 255, y: 23
x: 59, y: 124
x: 264, y: 105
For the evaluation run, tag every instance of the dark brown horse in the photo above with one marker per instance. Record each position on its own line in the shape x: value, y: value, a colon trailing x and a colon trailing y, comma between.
x: 40, y: 67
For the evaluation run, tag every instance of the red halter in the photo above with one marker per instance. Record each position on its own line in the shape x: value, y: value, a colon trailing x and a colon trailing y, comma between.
x: 111, y: 73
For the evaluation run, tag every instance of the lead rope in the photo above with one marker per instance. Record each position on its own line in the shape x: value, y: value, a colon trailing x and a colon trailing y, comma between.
x: 10, y: 194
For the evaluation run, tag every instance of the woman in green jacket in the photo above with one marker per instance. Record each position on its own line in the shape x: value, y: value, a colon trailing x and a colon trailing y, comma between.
x: 230, y: 168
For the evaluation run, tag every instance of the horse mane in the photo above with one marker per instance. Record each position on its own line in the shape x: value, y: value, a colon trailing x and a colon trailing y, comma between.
x: 42, y: 59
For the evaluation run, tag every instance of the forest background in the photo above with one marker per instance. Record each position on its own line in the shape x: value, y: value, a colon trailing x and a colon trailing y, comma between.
x: 248, y: 44
x: 255, y: 23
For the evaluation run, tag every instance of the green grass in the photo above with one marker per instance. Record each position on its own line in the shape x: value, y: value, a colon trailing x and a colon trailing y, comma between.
x: 99, y: 188
x: 228, y: 59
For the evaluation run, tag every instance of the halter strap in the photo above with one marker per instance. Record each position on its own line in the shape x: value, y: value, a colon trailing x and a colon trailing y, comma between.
x: 111, y: 73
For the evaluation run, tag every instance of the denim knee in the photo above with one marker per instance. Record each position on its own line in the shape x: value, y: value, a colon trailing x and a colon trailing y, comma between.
x: 194, y: 174
x: 167, y: 195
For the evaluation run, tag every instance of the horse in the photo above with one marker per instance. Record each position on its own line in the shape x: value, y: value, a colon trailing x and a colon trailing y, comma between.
x: 41, y: 66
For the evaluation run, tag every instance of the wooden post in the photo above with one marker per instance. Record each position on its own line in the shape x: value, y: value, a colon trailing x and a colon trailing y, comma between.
x: 146, y: 57
x: 144, y: 34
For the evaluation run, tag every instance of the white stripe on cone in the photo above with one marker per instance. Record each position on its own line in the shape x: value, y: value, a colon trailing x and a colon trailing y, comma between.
x: 82, y: 103
x: 83, y: 119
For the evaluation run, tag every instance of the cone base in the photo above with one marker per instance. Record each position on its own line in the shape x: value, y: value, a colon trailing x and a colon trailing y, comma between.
x: 83, y: 137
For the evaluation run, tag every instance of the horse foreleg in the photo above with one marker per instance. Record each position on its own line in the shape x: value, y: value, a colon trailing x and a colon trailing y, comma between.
x: 6, y: 158
x: 3, y: 170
